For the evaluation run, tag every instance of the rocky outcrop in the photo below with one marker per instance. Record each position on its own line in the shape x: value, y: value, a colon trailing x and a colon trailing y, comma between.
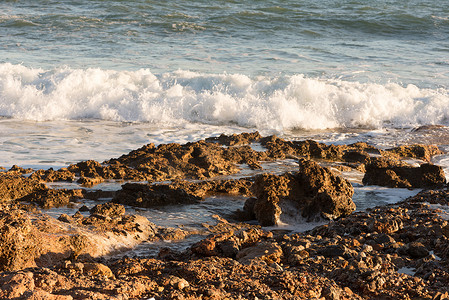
x: 145, y: 195
x: 14, y: 186
x: 19, y: 241
x: 391, y: 173
x: 244, y: 138
x: 109, y: 209
x: 48, y: 198
x: 311, y: 191
x: 51, y: 175
x: 211, y: 187
x: 424, y: 152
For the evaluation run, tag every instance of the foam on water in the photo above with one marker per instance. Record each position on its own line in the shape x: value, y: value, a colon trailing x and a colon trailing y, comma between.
x: 370, y: 196
x: 266, y: 103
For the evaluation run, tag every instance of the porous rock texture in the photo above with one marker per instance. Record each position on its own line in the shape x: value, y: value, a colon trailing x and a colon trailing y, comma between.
x: 390, y: 173
x: 310, y: 191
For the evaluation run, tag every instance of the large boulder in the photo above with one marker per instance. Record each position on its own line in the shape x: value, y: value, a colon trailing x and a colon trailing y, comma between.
x: 314, y: 190
x: 391, y: 173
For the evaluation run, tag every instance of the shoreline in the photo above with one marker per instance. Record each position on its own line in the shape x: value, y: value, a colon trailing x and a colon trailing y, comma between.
x: 356, y: 255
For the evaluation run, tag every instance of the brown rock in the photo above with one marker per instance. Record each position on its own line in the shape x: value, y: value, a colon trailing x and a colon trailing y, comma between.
x: 266, y: 251
x: 51, y: 175
x: 383, y: 172
x: 48, y: 198
x: 97, y: 269
x: 236, y: 139
x: 145, y: 195
x: 14, y: 186
x: 15, y: 285
x: 424, y: 152
x: 313, y: 190
x: 417, y: 250
x: 43, y: 295
x: 19, y: 241
x: 109, y: 209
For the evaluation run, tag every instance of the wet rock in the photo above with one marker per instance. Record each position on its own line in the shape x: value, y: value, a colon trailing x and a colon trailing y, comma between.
x: 236, y: 139
x: 51, y: 175
x: 88, y: 182
x: 19, y: 170
x: 13, y: 186
x: 212, y: 187
x: 321, y: 191
x: 84, y: 208
x: 269, y: 189
x: 109, y: 209
x: 144, y: 195
x: 171, y: 161
x: 356, y: 156
x: 65, y: 218
x: 311, y: 191
x: 424, y: 152
x: 248, y: 210
x: 390, y: 173
x: 172, y: 234
x: 48, y: 198
x: 92, y: 172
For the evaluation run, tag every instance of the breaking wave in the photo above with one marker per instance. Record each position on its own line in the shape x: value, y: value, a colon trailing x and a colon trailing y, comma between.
x: 275, y: 103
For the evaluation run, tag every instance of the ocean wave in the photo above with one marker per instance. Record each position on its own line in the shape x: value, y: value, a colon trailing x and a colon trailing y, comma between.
x: 276, y: 103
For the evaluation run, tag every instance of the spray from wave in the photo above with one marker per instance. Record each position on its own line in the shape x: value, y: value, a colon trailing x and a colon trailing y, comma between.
x: 276, y: 103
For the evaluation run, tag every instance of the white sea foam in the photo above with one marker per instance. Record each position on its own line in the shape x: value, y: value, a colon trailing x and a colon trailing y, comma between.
x: 277, y: 103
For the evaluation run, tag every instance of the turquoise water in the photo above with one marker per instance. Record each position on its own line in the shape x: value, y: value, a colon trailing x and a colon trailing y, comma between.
x: 405, y: 42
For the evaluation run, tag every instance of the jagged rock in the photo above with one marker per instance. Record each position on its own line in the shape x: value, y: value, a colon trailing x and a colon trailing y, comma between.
x: 19, y: 241
x: 203, y: 188
x: 311, y: 191
x: 14, y: 186
x: 51, y: 175
x: 92, y: 172
x: 48, y: 198
x: 236, y: 139
x: 88, y: 182
x: 269, y: 189
x: 144, y: 195
x: 112, y: 210
x: 424, y: 152
x: 384, y: 172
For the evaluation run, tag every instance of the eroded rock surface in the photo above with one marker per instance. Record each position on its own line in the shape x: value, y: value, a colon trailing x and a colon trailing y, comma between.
x: 311, y: 191
x: 14, y: 186
x: 359, y: 255
x: 389, y: 173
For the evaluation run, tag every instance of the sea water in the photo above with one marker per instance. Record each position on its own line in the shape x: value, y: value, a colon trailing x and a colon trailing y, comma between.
x: 94, y: 79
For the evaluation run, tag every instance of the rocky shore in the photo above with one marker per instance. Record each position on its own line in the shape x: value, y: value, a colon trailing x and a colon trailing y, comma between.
x: 397, y: 251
